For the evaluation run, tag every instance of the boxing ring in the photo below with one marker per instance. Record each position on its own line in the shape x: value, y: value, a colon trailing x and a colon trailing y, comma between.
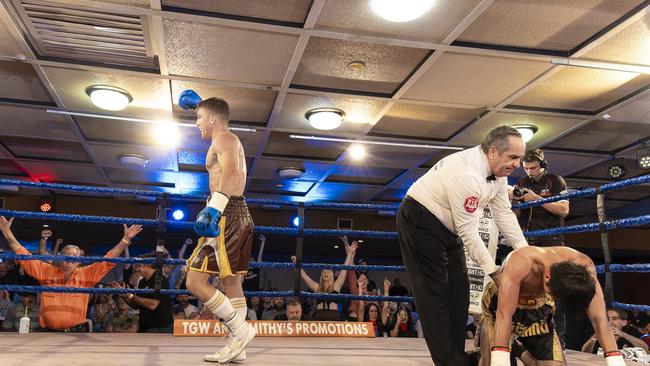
x: 163, y: 349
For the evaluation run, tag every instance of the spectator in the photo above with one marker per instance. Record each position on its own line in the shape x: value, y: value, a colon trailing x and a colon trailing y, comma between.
x: 329, y: 310
x: 293, y: 312
x: 123, y: 321
x: 617, y: 320
x: 252, y: 278
x: 183, y: 306
x: 275, y: 310
x: 5, y: 304
x: 371, y: 312
x: 402, y: 325
x: 472, y: 326
x: 177, y: 275
x: 66, y: 311
x: 397, y: 289
x: 102, y: 310
x: 254, y: 306
x: 155, y: 308
x: 28, y: 300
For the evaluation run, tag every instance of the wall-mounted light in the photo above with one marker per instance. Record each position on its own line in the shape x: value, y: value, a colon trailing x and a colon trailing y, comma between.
x: 110, y: 98
x: 325, y: 118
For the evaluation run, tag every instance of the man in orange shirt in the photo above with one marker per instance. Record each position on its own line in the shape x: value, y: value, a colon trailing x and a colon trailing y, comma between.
x: 66, y: 312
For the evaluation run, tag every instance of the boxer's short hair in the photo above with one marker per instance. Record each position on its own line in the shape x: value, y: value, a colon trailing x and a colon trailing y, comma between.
x: 217, y: 106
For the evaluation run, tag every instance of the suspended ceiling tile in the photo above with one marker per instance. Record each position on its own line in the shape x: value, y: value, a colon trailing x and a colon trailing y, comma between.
x: 391, y: 195
x: 280, y: 144
x: 31, y: 122
x: 408, y: 178
x: 356, y: 17
x: 8, y: 167
x: 158, y: 159
x: 599, y: 171
x: 387, y: 156
x: 420, y: 121
x: 25, y: 147
x: 325, y: 65
x: 474, y: 80
x: 604, y: 135
x: 268, y: 169
x: 8, y: 45
x: 151, y: 96
x: 582, y: 89
x: 631, y: 45
x: 293, y: 11
x: 437, y: 156
x: 179, y: 182
x: 358, y: 112
x: 63, y: 172
x: 280, y: 187
x: 246, y: 105
x: 564, y: 163
x: 636, y: 111
x: 342, y: 192
x: 19, y: 81
x: 551, y: 24
x: 547, y: 127
x: 363, y: 174
x: 223, y: 53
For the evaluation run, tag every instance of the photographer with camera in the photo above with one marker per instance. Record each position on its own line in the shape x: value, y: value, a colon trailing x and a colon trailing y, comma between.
x: 539, y: 183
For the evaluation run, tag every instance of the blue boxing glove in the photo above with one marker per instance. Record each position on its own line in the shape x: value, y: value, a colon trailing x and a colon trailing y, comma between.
x: 207, y: 222
x: 189, y: 99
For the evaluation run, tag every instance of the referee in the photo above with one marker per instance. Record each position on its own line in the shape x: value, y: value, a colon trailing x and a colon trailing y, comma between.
x: 439, y: 214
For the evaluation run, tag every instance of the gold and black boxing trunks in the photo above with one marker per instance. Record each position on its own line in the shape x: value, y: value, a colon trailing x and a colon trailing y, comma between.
x: 227, y: 254
x: 532, y: 324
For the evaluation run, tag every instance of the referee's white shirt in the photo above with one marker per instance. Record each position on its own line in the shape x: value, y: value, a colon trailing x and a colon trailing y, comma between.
x: 457, y: 189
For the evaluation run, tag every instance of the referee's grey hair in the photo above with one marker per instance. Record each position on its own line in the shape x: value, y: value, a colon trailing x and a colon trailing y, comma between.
x: 499, y: 138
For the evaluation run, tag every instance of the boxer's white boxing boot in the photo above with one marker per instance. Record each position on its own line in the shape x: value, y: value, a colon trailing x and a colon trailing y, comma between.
x: 239, y: 336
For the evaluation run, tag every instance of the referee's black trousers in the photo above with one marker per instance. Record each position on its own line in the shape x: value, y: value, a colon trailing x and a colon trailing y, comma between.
x: 435, y: 263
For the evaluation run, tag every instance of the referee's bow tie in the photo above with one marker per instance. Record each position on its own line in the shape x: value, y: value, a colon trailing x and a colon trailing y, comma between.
x: 491, y: 177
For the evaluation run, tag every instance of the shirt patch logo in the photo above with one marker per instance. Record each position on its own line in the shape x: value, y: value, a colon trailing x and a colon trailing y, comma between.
x: 471, y: 204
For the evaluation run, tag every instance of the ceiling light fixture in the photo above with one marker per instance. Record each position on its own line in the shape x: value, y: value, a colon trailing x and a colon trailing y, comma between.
x: 290, y: 172
x: 526, y: 131
x: 133, y: 160
x: 108, y: 97
x: 638, y: 69
x: 167, y: 134
x: 643, y: 156
x: 400, y: 10
x: 616, y: 169
x: 356, y: 66
x: 357, y: 152
x: 325, y: 118
x: 382, y: 143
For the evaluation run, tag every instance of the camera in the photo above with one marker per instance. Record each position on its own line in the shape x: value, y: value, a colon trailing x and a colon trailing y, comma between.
x: 518, y: 191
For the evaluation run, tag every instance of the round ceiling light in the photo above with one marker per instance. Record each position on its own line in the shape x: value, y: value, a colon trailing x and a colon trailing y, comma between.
x: 400, y: 10
x: 325, y: 118
x: 108, y: 97
x: 526, y: 131
x: 290, y: 172
x: 167, y: 134
x: 357, y: 152
x: 133, y: 160
x: 356, y: 66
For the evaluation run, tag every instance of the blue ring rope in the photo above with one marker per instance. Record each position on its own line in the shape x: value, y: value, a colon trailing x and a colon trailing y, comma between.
x: 147, y: 193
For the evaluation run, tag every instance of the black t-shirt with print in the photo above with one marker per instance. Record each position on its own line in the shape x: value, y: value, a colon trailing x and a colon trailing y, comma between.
x: 161, y: 316
x: 538, y: 218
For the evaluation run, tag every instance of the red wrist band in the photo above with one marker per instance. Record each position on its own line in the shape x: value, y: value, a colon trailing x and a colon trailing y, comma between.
x: 500, y: 348
x: 613, y: 353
